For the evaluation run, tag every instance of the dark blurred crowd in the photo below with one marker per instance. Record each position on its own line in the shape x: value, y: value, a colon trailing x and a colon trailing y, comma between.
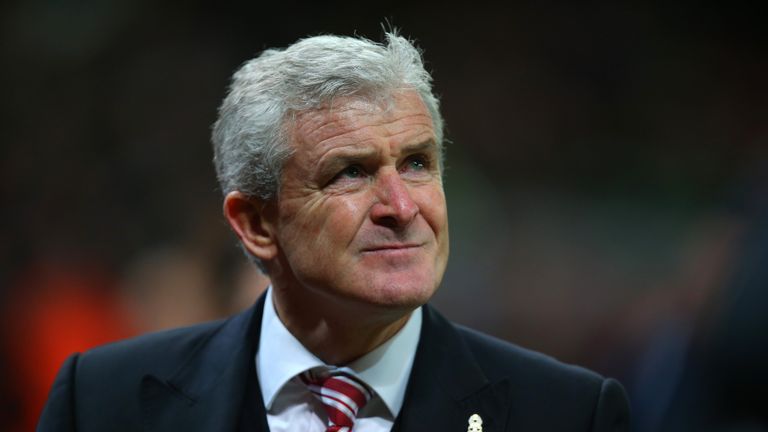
x: 607, y: 183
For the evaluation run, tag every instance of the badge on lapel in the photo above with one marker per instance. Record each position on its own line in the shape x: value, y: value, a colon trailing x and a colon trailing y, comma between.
x: 475, y: 423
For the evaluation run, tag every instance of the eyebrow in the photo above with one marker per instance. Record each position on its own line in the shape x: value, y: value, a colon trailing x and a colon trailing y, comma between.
x: 428, y: 145
x: 349, y: 156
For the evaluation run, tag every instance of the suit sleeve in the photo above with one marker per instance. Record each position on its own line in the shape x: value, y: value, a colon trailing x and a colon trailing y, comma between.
x: 59, y: 412
x: 612, y: 409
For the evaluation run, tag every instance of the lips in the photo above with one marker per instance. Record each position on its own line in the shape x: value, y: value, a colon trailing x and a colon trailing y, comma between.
x: 391, y: 247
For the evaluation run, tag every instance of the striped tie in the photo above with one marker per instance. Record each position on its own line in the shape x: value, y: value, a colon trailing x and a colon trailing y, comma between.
x: 341, y: 393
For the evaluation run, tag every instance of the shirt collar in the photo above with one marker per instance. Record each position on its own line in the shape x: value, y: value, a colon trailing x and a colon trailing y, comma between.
x: 386, y: 369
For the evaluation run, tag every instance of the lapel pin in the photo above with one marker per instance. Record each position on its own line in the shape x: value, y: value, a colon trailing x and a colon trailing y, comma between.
x: 475, y: 423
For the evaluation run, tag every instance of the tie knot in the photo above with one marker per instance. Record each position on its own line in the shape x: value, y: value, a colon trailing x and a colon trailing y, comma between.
x: 343, y: 395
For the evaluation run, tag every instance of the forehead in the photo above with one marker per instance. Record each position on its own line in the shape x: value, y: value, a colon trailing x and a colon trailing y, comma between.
x: 348, y: 121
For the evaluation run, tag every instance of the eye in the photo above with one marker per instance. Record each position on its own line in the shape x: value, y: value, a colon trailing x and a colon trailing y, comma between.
x: 352, y: 171
x: 416, y: 163
x: 349, y: 175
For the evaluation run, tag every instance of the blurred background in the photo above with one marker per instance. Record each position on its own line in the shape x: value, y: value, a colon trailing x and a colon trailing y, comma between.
x: 607, y: 182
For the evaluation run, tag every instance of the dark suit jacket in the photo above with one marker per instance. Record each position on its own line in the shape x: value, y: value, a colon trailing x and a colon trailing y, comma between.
x: 195, y: 379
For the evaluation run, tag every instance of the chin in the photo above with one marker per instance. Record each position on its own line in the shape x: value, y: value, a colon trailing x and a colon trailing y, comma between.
x: 401, y: 290
x: 406, y: 281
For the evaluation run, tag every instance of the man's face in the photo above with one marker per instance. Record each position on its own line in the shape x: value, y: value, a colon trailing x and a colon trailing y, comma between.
x: 361, y: 214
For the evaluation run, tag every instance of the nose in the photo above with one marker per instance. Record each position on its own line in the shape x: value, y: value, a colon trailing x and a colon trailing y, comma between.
x: 395, y: 207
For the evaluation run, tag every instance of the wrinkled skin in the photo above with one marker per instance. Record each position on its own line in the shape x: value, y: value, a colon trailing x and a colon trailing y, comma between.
x: 361, y: 218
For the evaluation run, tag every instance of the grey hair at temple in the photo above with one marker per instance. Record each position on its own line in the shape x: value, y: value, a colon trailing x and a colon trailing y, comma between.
x: 249, y: 137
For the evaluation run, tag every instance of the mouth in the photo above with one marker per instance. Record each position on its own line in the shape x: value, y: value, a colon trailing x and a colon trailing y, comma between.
x: 393, y: 247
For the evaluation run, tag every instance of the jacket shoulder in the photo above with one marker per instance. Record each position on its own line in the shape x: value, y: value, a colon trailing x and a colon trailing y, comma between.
x: 157, y: 353
x: 107, y: 380
x: 541, y: 385
x: 500, y: 359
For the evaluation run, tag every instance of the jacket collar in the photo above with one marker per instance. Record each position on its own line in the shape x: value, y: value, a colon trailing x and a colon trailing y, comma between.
x: 446, y: 385
x: 206, y: 392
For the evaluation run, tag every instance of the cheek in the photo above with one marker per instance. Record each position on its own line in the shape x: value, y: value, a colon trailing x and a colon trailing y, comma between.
x: 347, y: 213
x: 299, y: 229
x: 330, y: 224
x: 433, y: 208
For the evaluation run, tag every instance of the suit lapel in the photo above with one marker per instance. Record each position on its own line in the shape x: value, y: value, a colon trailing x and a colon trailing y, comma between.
x: 207, y: 392
x: 446, y: 385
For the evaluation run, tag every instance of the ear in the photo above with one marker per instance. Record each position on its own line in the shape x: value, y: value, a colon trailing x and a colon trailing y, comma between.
x: 253, y: 221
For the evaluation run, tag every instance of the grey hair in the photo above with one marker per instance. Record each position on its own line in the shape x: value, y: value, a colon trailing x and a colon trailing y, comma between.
x: 250, y: 137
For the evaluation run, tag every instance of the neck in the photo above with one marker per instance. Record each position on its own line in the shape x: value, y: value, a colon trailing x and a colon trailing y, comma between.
x: 335, y: 331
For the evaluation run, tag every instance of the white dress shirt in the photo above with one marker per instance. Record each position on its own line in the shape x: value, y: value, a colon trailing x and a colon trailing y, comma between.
x: 289, y: 404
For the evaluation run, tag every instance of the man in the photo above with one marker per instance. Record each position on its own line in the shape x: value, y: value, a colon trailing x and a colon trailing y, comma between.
x: 330, y: 157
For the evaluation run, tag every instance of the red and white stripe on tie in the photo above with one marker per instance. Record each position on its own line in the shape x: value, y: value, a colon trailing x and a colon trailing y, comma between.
x: 342, y: 395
